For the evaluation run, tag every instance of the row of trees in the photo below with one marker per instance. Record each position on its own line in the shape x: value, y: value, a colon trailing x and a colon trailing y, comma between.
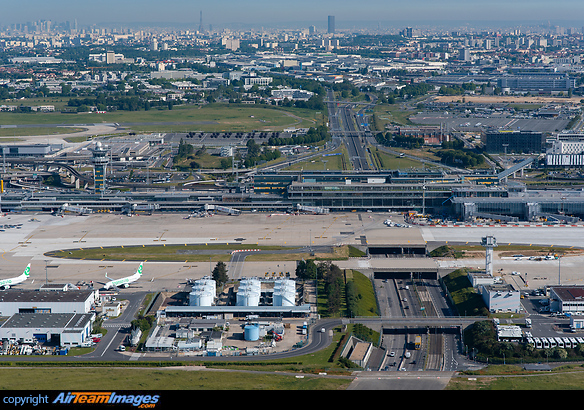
x: 255, y: 154
x: 113, y: 102
x: 464, y: 158
x: 481, y: 341
x: 394, y: 140
x: 333, y: 278
x: 313, y: 135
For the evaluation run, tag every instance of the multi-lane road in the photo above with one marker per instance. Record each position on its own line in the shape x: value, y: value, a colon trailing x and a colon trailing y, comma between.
x: 344, y: 124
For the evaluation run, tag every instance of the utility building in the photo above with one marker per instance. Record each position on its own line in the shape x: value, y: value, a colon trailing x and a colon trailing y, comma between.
x: 500, y: 298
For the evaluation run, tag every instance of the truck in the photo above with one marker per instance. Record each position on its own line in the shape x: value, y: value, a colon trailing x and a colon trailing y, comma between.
x: 418, y: 342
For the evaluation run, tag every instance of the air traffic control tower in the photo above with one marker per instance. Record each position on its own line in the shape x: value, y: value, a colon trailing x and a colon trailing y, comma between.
x: 489, y: 242
x: 100, y: 160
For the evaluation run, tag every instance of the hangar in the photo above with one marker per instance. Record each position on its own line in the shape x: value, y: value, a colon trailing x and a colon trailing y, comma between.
x: 14, y: 301
x: 62, y: 329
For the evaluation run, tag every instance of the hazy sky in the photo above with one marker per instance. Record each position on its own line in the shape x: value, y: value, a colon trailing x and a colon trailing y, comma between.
x: 222, y: 12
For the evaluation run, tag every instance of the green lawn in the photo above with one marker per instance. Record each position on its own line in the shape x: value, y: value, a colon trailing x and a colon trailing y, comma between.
x: 158, y: 252
x: 19, y: 132
x: 367, y: 302
x: 333, y: 163
x: 210, y: 118
x: 120, y: 378
x: 509, y: 378
x: 389, y: 161
x: 392, y: 114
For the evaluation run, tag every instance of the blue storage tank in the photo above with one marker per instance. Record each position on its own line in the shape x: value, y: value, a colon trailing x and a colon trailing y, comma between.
x: 251, y: 332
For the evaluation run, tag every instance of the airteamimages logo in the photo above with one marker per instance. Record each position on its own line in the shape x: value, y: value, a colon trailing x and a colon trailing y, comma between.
x: 143, y: 401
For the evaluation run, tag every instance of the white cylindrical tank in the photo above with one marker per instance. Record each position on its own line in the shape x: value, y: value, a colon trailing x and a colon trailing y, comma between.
x: 203, y: 292
x: 249, y: 292
x: 201, y: 297
x: 284, y: 293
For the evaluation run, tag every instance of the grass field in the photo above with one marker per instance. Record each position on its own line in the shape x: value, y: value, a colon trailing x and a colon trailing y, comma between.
x: 364, y: 288
x: 389, y: 161
x: 333, y: 163
x: 120, y: 378
x: 187, y: 253
x: 21, y: 132
x: 508, y: 377
x: 392, y: 114
x: 191, y: 253
x: 210, y: 118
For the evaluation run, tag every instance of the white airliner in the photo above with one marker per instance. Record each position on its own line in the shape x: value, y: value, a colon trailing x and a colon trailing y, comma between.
x: 7, y: 283
x: 123, y: 282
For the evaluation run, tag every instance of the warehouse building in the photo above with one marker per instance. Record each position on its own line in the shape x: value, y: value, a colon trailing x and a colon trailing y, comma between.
x: 60, y: 329
x: 16, y: 301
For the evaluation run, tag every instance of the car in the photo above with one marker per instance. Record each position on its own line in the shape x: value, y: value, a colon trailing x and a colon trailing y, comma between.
x: 391, y: 354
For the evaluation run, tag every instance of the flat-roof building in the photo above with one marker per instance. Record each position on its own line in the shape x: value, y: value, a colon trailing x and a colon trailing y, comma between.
x: 500, y: 298
x: 62, y: 329
x: 14, y: 301
x: 567, y: 299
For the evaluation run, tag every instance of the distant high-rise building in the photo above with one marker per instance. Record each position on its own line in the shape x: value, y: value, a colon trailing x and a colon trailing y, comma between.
x: 331, y: 24
x: 201, y: 28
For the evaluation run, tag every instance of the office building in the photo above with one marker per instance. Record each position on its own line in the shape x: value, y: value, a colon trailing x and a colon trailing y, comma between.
x: 537, y: 82
x: 519, y: 142
x: 331, y: 24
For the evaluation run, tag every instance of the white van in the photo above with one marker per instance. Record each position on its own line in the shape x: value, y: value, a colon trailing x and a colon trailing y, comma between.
x: 408, y: 355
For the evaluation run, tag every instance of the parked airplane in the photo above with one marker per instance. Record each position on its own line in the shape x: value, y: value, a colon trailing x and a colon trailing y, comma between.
x: 123, y: 282
x: 7, y: 283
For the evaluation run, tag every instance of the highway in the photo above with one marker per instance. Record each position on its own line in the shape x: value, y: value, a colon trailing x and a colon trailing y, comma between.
x: 343, y: 124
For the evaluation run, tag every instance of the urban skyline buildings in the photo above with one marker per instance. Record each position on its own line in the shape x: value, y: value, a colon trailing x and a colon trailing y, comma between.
x: 260, y: 13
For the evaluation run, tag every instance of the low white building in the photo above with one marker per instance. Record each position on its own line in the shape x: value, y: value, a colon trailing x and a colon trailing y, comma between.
x: 500, y: 297
x: 291, y: 94
x: 113, y: 309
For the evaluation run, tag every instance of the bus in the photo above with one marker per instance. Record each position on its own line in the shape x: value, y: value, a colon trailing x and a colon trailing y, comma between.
x: 418, y: 342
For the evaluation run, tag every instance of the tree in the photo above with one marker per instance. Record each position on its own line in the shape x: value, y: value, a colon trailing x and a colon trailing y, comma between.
x: 306, y: 269
x: 220, y: 274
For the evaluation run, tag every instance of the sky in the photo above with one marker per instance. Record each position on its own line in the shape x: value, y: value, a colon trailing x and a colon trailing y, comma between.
x: 273, y: 12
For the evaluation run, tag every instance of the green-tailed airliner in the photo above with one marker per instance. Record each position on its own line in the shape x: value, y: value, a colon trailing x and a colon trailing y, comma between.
x: 7, y: 283
x: 123, y: 282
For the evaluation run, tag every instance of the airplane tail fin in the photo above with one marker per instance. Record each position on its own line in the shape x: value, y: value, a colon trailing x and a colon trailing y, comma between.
x: 139, y: 271
x: 26, y: 272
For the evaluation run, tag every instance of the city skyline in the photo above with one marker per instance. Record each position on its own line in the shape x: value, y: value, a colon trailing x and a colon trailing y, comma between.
x: 227, y: 13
